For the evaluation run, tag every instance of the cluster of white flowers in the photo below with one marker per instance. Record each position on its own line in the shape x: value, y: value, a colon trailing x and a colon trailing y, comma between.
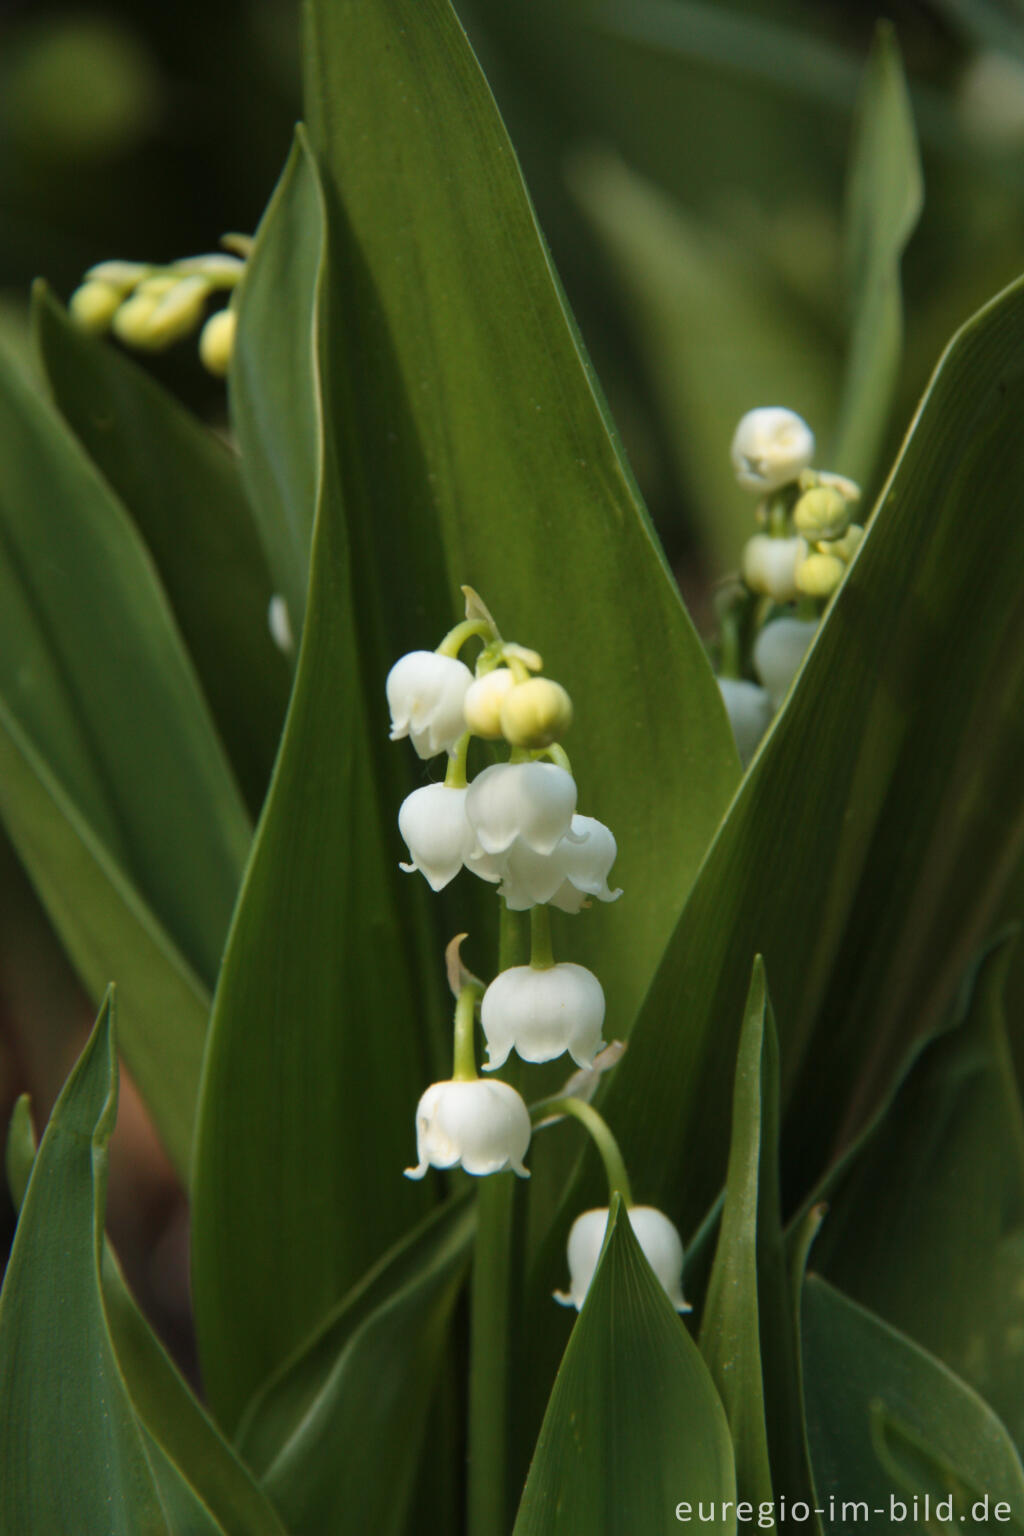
x: 799, y: 558
x: 516, y: 826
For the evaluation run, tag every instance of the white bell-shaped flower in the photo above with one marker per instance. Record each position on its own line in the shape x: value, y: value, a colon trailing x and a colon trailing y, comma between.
x: 432, y: 820
x: 531, y: 803
x: 541, y: 1014
x: 778, y: 652
x: 770, y: 447
x: 484, y: 1126
x: 749, y: 708
x: 426, y: 693
x: 657, y: 1236
x: 577, y: 867
x: 770, y: 565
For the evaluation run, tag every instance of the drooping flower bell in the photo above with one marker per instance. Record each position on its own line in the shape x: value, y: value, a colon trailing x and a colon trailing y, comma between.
x: 480, y: 1125
x: 433, y: 822
x: 543, y: 1012
x: 577, y: 868
x: 749, y: 708
x: 778, y: 652
x: 770, y: 447
x: 770, y: 566
x: 658, y: 1238
x: 426, y: 693
x: 529, y: 804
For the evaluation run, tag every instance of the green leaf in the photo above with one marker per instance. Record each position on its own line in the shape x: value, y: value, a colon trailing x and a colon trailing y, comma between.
x: 884, y: 199
x: 939, y: 1251
x: 747, y: 1336
x: 274, y: 392
x: 883, y: 815
x: 79, y: 1455
x: 634, y: 1426
x: 93, y: 670
x: 336, y: 1434
x: 719, y: 332
x: 183, y: 492
x: 867, y: 1385
x: 472, y: 438
x: 108, y: 930
x: 317, y: 1023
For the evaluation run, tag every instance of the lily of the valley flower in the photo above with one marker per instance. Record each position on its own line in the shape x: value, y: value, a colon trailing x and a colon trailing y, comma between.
x: 576, y: 868
x: 526, y: 803
x: 426, y: 693
x: 657, y: 1236
x: 770, y: 447
x: 484, y: 1126
x: 542, y: 1013
x: 433, y: 822
x: 778, y: 651
x: 749, y: 708
x: 770, y: 565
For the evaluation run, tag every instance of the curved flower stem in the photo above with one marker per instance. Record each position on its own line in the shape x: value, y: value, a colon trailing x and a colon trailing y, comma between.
x: 455, y: 776
x: 542, y: 956
x: 491, y: 1321
x: 604, y: 1141
x: 465, y: 1044
x: 456, y: 638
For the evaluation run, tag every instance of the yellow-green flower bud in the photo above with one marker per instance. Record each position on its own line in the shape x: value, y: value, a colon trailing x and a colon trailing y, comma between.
x: 94, y: 304
x: 484, y: 698
x: 131, y: 321
x: 535, y: 713
x: 119, y: 274
x: 178, y: 313
x: 822, y: 513
x: 217, y: 342
x: 848, y: 545
x: 819, y: 575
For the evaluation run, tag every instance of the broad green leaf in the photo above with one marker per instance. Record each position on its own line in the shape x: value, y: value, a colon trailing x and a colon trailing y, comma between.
x: 108, y: 930
x: 316, y: 1055
x: 159, y: 1396
x: 274, y: 391
x: 746, y: 1335
x: 634, y: 1426
x: 472, y: 440
x: 868, y: 1387
x: 93, y: 670
x: 720, y: 334
x: 938, y: 1251
x: 883, y: 204
x: 76, y: 1454
x: 336, y: 1434
x: 183, y: 492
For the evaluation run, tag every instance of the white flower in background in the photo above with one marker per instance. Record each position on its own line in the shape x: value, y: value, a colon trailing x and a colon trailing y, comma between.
x: 432, y: 820
x: 769, y: 565
x: 657, y: 1236
x: 749, y: 708
x: 541, y: 1014
x: 482, y: 1125
x: 280, y: 625
x: 778, y: 651
x: 528, y: 803
x: 484, y: 698
x: 426, y: 693
x: 577, y: 867
x: 770, y: 447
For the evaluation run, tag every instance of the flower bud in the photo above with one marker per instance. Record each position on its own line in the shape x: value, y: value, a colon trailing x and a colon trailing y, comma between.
x: 123, y: 275
x: 770, y: 448
x: 131, y: 322
x: 749, y: 708
x: 819, y: 575
x: 482, y: 1125
x: 432, y: 820
x: 769, y: 565
x: 217, y: 342
x: 94, y: 304
x: 529, y: 802
x: 535, y: 713
x: 541, y: 1014
x: 425, y: 694
x: 778, y: 652
x: 822, y: 513
x: 848, y: 489
x: 484, y: 699
x: 848, y: 545
x: 177, y: 313
x: 659, y: 1241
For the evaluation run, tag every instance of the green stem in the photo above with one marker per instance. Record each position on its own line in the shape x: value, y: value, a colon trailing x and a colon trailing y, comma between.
x: 555, y: 754
x: 807, y: 608
x: 456, y: 638
x: 729, y: 660
x: 465, y: 1025
x: 541, y: 954
x: 600, y: 1134
x: 455, y: 777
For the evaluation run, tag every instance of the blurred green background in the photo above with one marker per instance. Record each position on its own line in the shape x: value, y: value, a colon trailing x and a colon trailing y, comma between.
x: 688, y: 162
